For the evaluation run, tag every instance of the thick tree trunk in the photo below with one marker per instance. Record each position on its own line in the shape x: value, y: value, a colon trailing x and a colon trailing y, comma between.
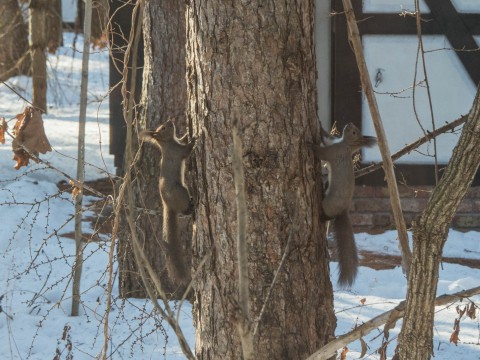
x: 253, y: 63
x: 38, y: 45
x: 429, y: 235
x: 14, y: 59
x: 163, y: 97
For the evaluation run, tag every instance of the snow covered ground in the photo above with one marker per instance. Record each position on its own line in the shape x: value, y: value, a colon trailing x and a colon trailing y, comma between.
x: 36, y: 260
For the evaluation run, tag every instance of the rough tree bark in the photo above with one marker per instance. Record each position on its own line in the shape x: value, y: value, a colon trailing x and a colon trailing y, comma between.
x: 38, y: 45
x: 163, y: 97
x: 254, y: 63
x: 429, y: 235
x: 14, y: 59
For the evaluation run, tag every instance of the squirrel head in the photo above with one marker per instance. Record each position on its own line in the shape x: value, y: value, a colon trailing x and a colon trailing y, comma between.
x: 352, y: 136
x: 164, y: 132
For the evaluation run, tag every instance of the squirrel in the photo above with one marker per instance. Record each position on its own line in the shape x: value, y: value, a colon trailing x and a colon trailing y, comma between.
x: 339, y: 194
x: 175, y: 195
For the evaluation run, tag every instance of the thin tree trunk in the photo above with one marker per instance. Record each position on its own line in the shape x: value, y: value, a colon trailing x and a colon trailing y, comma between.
x: 77, y: 273
x: 163, y: 97
x: 254, y: 64
x: 429, y: 235
x: 14, y: 59
x: 38, y: 44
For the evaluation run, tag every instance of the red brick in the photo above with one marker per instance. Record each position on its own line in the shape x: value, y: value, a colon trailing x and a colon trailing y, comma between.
x: 381, y: 192
x: 423, y: 192
x: 467, y: 221
x: 364, y: 191
x: 473, y: 193
x: 413, y: 205
x: 361, y: 219
x: 466, y: 206
x: 476, y: 205
x: 384, y: 220
x: 371, y: 205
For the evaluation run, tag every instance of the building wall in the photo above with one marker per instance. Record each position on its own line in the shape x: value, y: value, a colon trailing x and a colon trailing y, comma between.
x: 371, y: 212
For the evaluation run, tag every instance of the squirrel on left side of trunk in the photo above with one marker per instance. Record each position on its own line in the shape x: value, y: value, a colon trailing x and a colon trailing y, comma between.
x: 174, y: 193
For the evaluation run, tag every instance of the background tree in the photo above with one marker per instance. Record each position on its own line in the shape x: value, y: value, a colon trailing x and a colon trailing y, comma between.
x: 163, y: 97
x: 430, y: 233
x: 253, y: 64
x: 38, y: 44
x: 55, y: 25
x: 14, y: 59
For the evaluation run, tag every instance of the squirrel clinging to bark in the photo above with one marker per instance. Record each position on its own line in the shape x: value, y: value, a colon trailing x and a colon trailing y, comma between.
x: 339, y: 195
x: 175, y: 195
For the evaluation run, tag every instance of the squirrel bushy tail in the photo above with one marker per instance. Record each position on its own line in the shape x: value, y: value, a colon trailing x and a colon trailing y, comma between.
x: 175, y: 264
x: 346, y: 250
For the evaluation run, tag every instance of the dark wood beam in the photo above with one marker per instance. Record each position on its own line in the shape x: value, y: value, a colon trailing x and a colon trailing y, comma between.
x: 458, y: 35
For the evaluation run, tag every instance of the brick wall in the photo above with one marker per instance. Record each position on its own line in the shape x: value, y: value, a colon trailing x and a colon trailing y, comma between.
x: 371, y: 208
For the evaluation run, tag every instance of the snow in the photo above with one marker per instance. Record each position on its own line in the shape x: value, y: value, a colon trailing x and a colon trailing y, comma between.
x: 36, y: 259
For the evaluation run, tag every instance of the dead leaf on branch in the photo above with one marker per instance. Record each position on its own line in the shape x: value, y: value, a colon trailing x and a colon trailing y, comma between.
x: 456, y: 331
x: 3, y: 128
x: 471, y: 312
x: 343, y: 355
x: 76, y: 190
x: 29, y: 133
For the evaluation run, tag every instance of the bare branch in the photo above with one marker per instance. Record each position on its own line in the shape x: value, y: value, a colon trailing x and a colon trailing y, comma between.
x: 412, y: 146
x: 77, y: 271
x: 390, y: 316
x: 354, y: 36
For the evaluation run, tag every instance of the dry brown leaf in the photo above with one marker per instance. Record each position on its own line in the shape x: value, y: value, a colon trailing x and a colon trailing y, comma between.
x: 76, y: 190
x: 99, y: 42
x: 30, y: 133
x: 454, y: 337
x: 456, y: 331
x: 364, y: 348
x: 3, y: 128
x: 363, y: 301
x: 343, y: 355
x: 460, y: 311
x: 472, y: 311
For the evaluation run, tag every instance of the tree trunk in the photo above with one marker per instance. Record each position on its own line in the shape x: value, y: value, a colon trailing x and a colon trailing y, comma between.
x: 54, y: 26
x: 429, y: 235
x: 254, y: 64
x: 38, y: 45
x: 14, y: 59
x: 163, y: 97
x: 99, y: 20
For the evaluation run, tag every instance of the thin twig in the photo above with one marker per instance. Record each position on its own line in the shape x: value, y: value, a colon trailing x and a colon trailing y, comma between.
x: 389, y: 317
x: 77, y: 270
x: 280, y: 266
x: 427, y: 83
x: 244, y: 326
x: 412, y: 146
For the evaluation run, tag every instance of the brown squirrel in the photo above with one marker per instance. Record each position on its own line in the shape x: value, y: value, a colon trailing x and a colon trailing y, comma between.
x: 175, y: 195
x: 338, y: 197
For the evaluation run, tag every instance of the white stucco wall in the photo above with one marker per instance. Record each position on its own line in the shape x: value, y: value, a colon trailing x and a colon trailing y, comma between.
x: 69, y: 10
x: 451, y: 89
